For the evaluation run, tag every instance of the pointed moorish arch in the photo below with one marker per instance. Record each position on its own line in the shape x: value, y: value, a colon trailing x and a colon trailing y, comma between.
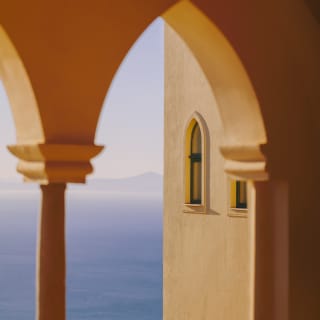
x: 239, y: 109
x: 89, y: 51
x: 41, y: 123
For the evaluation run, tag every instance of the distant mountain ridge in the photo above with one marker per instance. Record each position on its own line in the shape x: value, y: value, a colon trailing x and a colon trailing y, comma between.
x: 146, y: 182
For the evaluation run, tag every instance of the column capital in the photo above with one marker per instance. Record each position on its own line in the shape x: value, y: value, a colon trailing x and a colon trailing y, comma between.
x: 245, y: 162
x: 54, y: 163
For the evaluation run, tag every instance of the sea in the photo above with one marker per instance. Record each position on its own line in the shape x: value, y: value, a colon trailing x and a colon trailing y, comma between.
x: 114, y: 254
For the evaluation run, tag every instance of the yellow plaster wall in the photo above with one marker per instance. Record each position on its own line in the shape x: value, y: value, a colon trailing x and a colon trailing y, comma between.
x: 206, y: 256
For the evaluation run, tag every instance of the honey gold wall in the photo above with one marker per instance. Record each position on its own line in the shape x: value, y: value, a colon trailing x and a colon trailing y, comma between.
x: 206, y: 255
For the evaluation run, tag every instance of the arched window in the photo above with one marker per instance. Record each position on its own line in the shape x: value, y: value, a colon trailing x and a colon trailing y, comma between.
x: 196, y: 165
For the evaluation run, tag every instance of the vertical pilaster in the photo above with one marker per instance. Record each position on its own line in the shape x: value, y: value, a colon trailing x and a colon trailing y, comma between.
x: 51, y: 257
x: 271, y: 288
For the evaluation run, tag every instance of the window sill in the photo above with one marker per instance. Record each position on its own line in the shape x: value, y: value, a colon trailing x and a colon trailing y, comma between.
x: 194, y: 208
x: 238, y: 212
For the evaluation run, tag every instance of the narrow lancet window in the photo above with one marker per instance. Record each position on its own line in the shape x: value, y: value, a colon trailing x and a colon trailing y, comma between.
x: 196, y: 165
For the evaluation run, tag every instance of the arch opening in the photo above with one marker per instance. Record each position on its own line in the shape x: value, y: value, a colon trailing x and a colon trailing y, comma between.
x: 18, y: 215
x: 244, y: 130
x: 126, y: 188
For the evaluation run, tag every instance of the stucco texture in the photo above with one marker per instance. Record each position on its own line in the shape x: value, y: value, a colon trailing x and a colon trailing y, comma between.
x: 206, y: 253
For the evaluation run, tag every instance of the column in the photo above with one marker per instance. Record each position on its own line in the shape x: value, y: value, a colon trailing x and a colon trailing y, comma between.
x: 51, y: 254
x: 52, y: 166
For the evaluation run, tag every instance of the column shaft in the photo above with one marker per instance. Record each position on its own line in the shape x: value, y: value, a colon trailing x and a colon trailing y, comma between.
x: 51, y: 259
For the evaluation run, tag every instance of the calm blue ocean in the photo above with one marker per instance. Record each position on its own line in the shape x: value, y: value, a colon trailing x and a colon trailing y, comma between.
x: 114, y: 253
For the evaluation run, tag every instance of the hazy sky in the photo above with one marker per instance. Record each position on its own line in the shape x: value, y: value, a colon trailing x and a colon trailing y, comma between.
x: 131, y: 123
x: 7, y: 136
